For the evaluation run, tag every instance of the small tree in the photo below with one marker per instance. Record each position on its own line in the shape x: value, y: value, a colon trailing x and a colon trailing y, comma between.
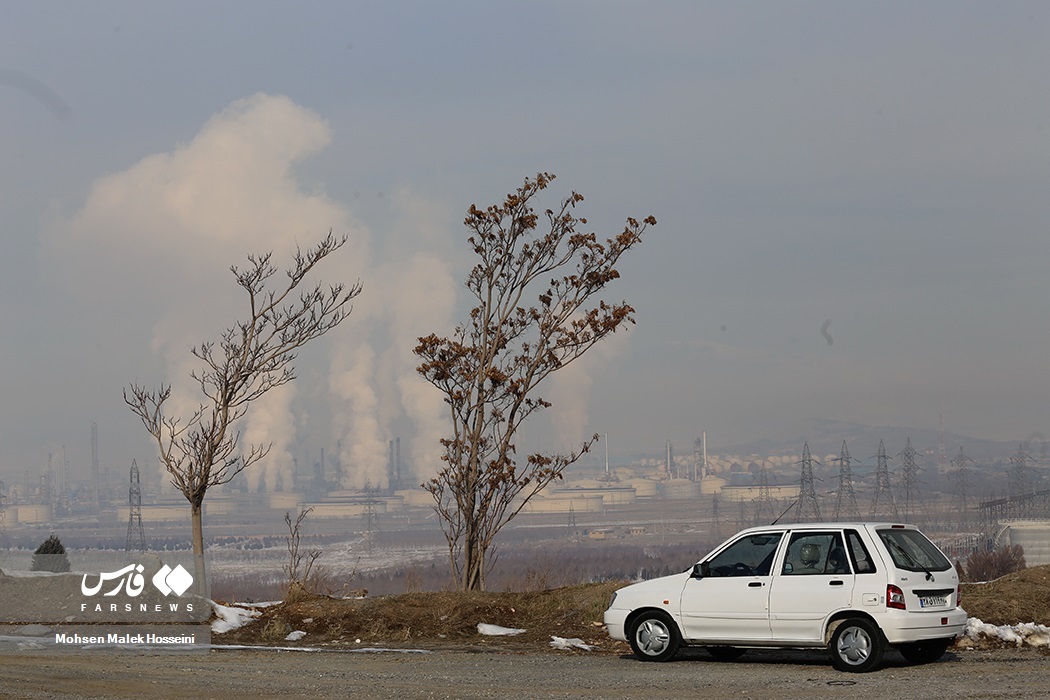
x: 253, y: 357
x: 51, y: 556
x: 298, y: 572
x: 489, y: 368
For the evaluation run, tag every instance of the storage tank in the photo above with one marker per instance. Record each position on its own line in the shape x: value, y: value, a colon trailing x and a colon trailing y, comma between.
x: 284, y: 500
x: 680, y: 488
x: 415, y: 497
x: 1034, y: 536
x: 30, y: 513
x: 563, y: 503
x: 644, y: 488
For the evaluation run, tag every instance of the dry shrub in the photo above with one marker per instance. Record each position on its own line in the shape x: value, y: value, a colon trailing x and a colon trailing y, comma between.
x: 275, y: 630
x: 990, y: 565
x: 296, y: 592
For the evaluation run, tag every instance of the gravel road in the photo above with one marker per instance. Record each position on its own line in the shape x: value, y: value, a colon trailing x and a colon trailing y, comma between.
x: 234, y: 674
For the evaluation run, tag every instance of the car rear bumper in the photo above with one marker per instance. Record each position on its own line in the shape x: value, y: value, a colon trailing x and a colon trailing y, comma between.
x: 902, y: 626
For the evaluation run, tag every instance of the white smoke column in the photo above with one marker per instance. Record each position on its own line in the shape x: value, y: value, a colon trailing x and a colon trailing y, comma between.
x: 569, y: 389
x: 419, y: 293
x: 429, y: 414
x: 427, y: 300
x: 362, y: 451
x: 267, y: 423
x: 166, y: 230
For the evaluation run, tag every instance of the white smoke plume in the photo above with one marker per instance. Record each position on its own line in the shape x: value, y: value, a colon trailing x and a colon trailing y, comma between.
x: 362, y: 451
x: 163, y: 233
x: 426, y: 300
x: 270, y: 422
x: 155, y: 242
x: 569, y: 391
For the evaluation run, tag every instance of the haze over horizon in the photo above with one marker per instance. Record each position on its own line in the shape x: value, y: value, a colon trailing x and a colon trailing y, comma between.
x: 849, y: 197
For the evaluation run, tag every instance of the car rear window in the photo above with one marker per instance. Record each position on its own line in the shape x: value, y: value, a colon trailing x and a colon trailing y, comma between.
x: 911, y: 551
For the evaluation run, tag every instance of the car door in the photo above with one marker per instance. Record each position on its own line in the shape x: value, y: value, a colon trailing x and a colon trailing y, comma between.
x: 727, y: 597
x: 813, y: 580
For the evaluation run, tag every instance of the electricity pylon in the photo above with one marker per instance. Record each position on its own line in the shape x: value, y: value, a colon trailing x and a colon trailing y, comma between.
x: 808, y: 507
x: 846, y: 502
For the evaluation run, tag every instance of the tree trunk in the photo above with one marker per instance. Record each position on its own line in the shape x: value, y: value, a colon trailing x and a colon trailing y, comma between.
x: 473, y: 559
x: 200, y: 578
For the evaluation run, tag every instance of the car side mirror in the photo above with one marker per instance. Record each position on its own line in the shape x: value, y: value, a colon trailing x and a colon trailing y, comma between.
x: 700, y: 570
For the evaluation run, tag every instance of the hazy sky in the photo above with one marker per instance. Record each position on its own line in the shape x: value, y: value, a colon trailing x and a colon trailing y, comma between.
x: 852, y: 206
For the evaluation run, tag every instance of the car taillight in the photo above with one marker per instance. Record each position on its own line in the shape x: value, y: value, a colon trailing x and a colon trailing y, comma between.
x: 895, y: 598
x: 958, y: 596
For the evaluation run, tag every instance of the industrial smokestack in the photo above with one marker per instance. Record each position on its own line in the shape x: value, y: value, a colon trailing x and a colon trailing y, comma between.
x: 707, y: 472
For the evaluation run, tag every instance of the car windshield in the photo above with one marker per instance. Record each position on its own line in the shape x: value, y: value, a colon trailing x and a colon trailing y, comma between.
x: 911, y: 551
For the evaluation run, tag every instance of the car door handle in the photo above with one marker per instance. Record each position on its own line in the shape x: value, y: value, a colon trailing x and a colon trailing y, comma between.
x: 755, y: 584
x: 834, y: 583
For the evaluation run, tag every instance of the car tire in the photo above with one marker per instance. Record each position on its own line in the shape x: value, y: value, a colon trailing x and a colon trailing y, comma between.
x: 923, y: 652
x: 856, y: 646
x: 726, y: 653
x: 654, y: 636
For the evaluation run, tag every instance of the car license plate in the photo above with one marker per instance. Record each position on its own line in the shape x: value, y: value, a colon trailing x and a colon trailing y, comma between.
x: 932, y: 601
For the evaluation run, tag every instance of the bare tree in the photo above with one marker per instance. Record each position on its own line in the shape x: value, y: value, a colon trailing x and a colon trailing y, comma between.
x: 253, y: 357
x: 298, y: 574
x: 489, y: 368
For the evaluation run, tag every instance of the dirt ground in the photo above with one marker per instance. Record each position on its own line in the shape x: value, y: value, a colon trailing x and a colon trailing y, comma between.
x: 1009, y: 674
x: 433, y: 650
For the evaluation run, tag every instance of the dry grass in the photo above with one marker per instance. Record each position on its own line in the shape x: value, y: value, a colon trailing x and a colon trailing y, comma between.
x: 440, y: 619
x: 1023, y: 596
x: 449, y: 619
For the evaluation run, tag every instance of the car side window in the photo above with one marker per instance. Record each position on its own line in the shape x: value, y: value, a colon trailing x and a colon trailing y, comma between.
x: 748, y: 556
x: 815, y: 553
x: 862, y: 561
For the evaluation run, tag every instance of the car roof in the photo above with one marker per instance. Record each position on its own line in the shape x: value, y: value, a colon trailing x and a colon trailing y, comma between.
x: 854, y: 524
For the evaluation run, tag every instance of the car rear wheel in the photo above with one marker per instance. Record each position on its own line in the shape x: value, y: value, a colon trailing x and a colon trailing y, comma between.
x: 654, y: 636
x: 856, y: 646
x: 923, y: 652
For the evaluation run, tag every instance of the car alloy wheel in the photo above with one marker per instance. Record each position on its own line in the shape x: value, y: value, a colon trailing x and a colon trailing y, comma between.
x: 654, y: 636
x: 856, y: 646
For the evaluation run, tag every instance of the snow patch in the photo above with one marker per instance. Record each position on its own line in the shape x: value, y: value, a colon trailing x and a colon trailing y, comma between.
x: 1023, y: 634
x: 295, y: 636
x: 231, y: 617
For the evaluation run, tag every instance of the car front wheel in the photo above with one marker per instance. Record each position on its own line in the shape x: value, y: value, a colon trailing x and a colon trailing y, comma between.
x: 654, y: 636
x: 856, y: 646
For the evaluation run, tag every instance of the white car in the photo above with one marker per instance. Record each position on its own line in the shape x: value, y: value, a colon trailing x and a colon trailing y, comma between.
x: 852, y: 588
